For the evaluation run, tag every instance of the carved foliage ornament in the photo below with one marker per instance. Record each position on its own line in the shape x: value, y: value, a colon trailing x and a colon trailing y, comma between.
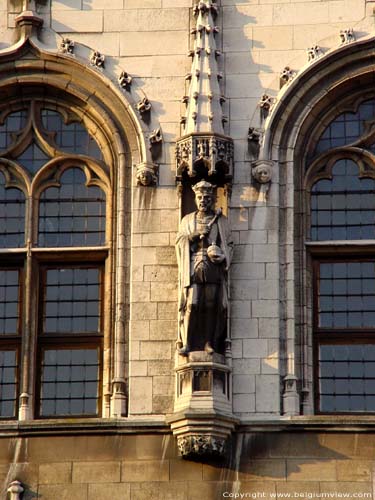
x: 67, y: 46
x: 314, y: 52
x: 125, y: 80
x: 144, y: 106
x: 97, y: 59
x: 347, y: 36
x: 201, y: 445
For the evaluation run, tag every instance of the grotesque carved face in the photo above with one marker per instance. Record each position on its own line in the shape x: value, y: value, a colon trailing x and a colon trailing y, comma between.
x: 204, y: 201
x: 262, y: 174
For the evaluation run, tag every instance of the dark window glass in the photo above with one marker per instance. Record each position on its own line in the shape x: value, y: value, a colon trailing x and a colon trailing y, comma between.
x: 347, y: 295
x: 347, y: 127
x: 72, y: 300
x: 9, y: 301
x: 33, y: 158
x: 347, y: 378
x: 72, y: 215
x: 71, y: 138
x: 12, y: 127
x: 8, y: 383
x: 12, y: 216
x: 343, y: 208
x: 69, y: 382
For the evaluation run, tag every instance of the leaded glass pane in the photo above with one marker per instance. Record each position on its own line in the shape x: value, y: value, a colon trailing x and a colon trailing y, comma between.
x: 8, y: 383
x: 12, y: 216
x: 347, y: 378
x: 73, y: 214
x: 73, y: 137
x: 9, y: 301
x: 69, y: 382
x: 72, y: 300
x: 347, y: 127
x: 347, y: 295
x: 343, y: 208
x: 13, y: 125
x: 33, y: 158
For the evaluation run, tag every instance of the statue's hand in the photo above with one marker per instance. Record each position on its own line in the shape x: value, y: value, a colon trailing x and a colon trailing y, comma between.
x: 194, y: 236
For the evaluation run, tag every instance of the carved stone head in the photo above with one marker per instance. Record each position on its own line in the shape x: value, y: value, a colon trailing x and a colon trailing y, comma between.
x: 262, y: 172
x: 146, y: 175
x: 204, y: 196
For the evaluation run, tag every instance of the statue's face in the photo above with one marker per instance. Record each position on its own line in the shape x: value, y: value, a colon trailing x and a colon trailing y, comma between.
x: 204, y: 201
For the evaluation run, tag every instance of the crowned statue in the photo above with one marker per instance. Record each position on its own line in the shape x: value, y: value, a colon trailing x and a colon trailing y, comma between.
x: 204, y: 250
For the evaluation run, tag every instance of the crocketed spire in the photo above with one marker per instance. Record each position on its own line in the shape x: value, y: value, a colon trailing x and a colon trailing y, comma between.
x: 204, y: 100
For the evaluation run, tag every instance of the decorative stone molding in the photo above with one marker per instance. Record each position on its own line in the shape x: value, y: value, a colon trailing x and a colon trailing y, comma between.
x: 146, y: 174
x: 97, y: 59
x: 15, y: 490
x: 125, y: 80
x: 286, y: 76
x: 347, y: 36
x: 197, y: 445
x: 144, y: 107
x: 314, y: 53
x: 67, y: 46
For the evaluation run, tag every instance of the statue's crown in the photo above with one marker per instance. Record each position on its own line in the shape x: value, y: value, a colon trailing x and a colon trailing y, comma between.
x: 205, y: 186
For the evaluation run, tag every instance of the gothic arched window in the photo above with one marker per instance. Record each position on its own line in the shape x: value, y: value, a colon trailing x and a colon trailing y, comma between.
x: 341, y: 219
x: 55, y: 197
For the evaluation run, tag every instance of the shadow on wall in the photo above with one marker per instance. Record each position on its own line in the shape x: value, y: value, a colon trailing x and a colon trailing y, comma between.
x: 267, y: 462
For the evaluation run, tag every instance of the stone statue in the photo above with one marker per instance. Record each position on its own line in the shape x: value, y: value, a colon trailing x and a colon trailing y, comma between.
x: 204, y: 249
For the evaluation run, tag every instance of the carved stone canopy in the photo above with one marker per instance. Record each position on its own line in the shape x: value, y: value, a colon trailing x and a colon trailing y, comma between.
x: 205, y: 156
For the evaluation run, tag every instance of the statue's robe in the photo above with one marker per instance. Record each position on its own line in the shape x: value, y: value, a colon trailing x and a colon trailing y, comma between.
x: 203, y: 296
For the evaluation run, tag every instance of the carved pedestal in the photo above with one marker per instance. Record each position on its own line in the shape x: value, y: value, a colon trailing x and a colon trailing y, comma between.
x: 202, y: 419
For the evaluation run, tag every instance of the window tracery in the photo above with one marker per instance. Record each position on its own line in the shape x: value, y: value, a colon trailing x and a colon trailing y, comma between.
x: 55, y: 195
x: 340, y: 182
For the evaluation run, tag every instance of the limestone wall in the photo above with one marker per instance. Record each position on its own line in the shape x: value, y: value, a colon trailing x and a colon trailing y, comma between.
x: 143, y: 466
x: 149, y: 39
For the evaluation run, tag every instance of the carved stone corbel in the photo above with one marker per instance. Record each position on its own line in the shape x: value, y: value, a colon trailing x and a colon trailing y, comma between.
x: 261, y: 171
x: 147, y: 174
x: 206, y: 445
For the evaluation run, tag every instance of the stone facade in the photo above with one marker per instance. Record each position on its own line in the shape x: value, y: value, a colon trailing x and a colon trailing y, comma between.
x: 271, y: 53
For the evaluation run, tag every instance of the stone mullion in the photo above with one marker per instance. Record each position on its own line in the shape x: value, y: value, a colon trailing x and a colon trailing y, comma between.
x: 29, y: 323
x: 107, y: 311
